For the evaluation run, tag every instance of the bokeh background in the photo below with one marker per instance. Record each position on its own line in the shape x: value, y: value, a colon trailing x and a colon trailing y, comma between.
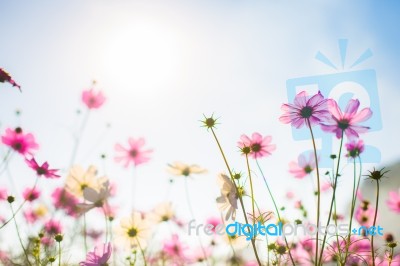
x: 163, y: 64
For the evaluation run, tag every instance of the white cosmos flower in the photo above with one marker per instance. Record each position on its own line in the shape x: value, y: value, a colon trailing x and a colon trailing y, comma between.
x: 95, y: 198
x: 228, y: 199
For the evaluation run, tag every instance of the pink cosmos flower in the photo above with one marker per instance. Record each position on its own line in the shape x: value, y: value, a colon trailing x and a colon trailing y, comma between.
x: 20, y: 142
x: 99, y: 256
x: 5, y: 77
x: 303, y: 166
x: 30, y: 216
x: 175, y: 249
x: 214, y: 221
x: 43, y: 169
x: 52, y: 227
x: 259, y: 146
x: 62, y: 199
x: 134, y: 154
x: 3, y: 194
x: 394, y: 201
x: 348, y: 121
x: 354, y: 148
x: 303, y: 109
x: 92, y: 99
x: 365, y: 217
x: 31, y: 194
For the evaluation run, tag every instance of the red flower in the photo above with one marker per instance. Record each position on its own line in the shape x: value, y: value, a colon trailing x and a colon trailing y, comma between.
x: 5, y: 77
x: 43, y: 169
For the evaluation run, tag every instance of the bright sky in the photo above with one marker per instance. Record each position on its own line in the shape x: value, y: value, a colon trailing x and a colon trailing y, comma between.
x: 163, y: 64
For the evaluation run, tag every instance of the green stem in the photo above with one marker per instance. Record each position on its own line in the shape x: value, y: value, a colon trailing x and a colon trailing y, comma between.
x: 20, y: 206
x: 276, y: 209
x: 19, y: 236
x: 318, y: 190
x: 142, y: 252
x: 84, y: 233
x: 237, y: 193
x: 59, y: 253
x: 353, y: 205
x: 251, y: 187
x: 376, y: 212
x: 333, y: 199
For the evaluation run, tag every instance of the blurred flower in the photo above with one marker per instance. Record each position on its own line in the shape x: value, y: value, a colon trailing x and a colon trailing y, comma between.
x: 182, y: 169
x: 52, y: 227
x: 43, y: 169
x: 303, y: 166
x: 134, y: 154
x: 175, y: 249
x: 346, y: 122
x: 290, y: 195
x: 134, y: 230
x: 259, y: 146
x: 303, y: 109
x: 62, y: 199
x: 32, y: 215
x: 97, y: 198
x: 228, y: 199
x: 5, y: 77
x: 365, y: 216
x: 31, y: 194
x: 99, y: 256
x: 163, y: 212
x: 3, y: 194
x: 20, y: 142
x: 94, y: 234
x: 93, y: 99
x: 354, y: 148
x: 214, y: 221
x: 394, y: 201
x: 78, y: 179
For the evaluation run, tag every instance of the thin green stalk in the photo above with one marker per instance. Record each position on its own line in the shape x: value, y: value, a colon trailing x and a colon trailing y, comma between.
x: 237, y: 192
x: 251, y: 186
x: 84, y: 233
x: 276, y: 209
x: 59, y: 253
x: 20, y: 206
x: 19, y: 236
x: 106, y: 223
x: 376, y: 212
x: 142, y: 252
x: 78, y: 138
x: 333, y: 199
x: 318, y: 190
x: 353, y: 204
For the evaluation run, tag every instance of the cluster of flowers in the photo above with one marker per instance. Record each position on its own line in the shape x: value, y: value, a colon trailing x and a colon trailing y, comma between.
x: 85, y: 193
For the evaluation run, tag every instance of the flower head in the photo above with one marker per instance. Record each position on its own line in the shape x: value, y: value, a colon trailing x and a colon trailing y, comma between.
x: 5, y: 77
x: 134, y: 230
x: 52, y: 227
x: 134, y: 154
x: 377, y: 175
x: 31, y: 194
x: 257, y: 146
x: 364, y: 215
x: 163, y: 212
x: 394, y: 201
x: 62, y: 199
x: 354, y: 148
x: 182, y: 169
x: 78, y: 179
x: 305, y: 110
x: 96, y: 198
x: 347, y: 122
x: 93, y: 99
x: 98, y: 257
x: 303, y: 167
x: 209, y: 122
x: 19, y: 141
x: 228, y: 199
x: 175, y: 249
x: 42, y: 170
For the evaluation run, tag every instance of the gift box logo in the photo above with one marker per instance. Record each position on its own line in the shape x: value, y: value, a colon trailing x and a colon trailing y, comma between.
x: 341, y: 86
